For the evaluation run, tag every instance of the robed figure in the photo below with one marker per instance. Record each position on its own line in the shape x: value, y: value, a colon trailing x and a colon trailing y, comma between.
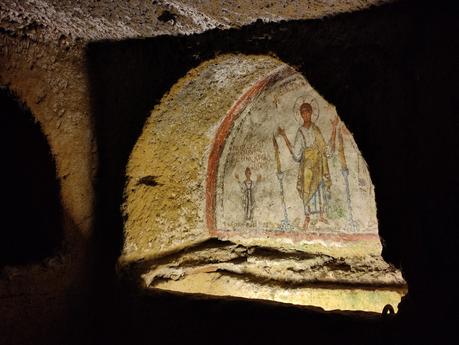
x: 248, y: 193
x: 310, y: 151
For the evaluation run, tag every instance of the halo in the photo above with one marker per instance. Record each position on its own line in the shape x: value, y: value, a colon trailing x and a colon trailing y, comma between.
x: 312, y: 101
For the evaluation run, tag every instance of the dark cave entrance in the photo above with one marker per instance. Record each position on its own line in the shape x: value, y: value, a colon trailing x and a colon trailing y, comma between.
x: 31, y: 215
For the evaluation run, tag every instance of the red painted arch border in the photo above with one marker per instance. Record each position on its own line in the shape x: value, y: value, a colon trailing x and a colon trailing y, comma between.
x: 222, y: 133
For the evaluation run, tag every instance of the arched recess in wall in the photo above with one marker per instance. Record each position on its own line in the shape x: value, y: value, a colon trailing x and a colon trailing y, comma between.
x: 31, y: 212
x: 245, y: 182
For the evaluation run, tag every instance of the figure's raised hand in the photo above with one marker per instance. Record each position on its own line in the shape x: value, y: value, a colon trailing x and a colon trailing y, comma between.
x: 281, y: 131
x: 258, y: 178
x: 236, y: 176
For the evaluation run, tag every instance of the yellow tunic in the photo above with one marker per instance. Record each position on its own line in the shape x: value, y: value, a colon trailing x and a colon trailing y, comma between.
x: 313, y: 164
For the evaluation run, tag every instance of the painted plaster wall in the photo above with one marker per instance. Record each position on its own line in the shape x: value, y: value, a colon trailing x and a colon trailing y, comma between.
x: 173, y: 168
x: 250, y: 145
x: 183, y: 188
x: 173, y: 151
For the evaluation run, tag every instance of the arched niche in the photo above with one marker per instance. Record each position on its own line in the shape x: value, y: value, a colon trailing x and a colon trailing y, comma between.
x: 257, y: 188
x: 246, y: 182
x: 32, y: 210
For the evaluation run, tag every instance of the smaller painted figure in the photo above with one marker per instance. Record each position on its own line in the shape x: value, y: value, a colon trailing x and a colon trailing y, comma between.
x: 248, y: 191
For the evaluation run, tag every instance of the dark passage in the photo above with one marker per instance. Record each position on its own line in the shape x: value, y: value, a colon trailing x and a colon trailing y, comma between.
x: 30, y: 192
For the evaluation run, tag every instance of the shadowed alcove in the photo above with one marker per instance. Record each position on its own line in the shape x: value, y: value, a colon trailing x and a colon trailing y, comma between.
x: 31, y: 208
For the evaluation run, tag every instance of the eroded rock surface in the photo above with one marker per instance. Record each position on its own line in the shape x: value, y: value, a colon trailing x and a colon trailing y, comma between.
x: 89, y: 20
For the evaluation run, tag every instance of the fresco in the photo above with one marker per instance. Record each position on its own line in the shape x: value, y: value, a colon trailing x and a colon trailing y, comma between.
x: 288, y: 164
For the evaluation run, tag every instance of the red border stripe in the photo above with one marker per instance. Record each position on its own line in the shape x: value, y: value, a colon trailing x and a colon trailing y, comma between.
x: 220, y: 138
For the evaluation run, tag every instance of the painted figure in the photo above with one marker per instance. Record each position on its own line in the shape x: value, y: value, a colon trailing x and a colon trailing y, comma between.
x: 310, y: 151
x: 248, y: 189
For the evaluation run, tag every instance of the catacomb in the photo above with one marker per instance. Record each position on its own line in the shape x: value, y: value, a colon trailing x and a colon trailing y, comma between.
x: 257, y: 189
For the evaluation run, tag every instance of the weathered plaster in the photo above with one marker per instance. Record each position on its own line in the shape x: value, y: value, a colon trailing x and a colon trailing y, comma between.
x: 173, y: 198
x: 174, y: 149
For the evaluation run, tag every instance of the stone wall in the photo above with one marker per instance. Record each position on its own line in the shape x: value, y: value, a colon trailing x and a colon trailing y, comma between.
x: 390, y: 72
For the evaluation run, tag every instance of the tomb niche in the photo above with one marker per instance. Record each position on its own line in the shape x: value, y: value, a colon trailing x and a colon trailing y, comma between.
x: 245, y: 182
